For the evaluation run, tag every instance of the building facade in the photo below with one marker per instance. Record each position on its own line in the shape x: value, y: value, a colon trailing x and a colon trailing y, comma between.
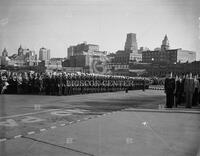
x: 84, y: 49
x: 20, y: 51
x: 122, y: 58
x: 168, y: 55
x: 5, y: 53
x: 161, y: 69
x: 51, y: 65
x: 31, y: 58
x: 131, y: 43
x: 44, y: 54
x: 24, y: 57
x: 86, y: 56
x: 70, y: 51
x: 165, y: 44
x: 130, y: 52
x: 4, y: 58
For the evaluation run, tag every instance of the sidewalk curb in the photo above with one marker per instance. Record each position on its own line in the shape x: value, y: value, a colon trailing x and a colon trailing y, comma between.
x: 166, y: 110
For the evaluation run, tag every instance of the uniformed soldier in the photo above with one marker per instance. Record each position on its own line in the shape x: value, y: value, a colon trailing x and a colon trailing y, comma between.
x: 19, y: 83
x: 41, y: 84
x: 12, y: 88
x: 59, y: 84
x: 3, y: 83
x: 71, y: 83
x: 47, y: 83
x: 25, y: 81
x: 64, y: 83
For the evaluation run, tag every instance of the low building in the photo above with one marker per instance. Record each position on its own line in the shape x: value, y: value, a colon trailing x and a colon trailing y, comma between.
x: 51, y: 65
x: 168, y: 56
x: 135, y: 57
x: 142, y: 49
x: 122, y: 56
x: 24, y: 57
x: 161, y: 69
x: 66, y: 63
x: 80, y: 61
x: 87, y: 56
x: 82, y: 49
x: 17, y: 60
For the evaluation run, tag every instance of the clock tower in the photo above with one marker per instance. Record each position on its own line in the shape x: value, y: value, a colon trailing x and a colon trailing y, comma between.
x: 165, y: 44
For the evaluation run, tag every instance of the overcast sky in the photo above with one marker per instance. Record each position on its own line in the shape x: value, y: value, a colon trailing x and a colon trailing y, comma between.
x: 57, y: 24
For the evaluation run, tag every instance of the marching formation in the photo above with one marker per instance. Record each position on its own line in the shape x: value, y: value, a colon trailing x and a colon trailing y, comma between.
x: 61, y: 83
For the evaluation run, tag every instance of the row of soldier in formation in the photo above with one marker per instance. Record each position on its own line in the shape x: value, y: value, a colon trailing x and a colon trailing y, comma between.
x: 61, y: 83
x: 184, y: 89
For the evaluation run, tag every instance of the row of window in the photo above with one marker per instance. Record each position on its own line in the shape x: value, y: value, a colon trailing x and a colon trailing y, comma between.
x: 117, y: 66
x: 172, y: 54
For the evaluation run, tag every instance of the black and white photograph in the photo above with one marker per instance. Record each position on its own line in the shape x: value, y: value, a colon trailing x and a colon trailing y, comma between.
x: 99, y: 78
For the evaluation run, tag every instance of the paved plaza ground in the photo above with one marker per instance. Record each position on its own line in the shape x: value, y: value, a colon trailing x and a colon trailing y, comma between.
x: 102, y: 124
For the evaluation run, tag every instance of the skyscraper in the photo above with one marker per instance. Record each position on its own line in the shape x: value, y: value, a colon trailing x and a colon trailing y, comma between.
x: 4, y: 53
x: 44, y: 54
x: 20, y: 51
x: 131, y: 43
x: 70, y: 51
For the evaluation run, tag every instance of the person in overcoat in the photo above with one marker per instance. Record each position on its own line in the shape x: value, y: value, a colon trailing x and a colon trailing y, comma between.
x: 189, y: 90
x: 169, y: 90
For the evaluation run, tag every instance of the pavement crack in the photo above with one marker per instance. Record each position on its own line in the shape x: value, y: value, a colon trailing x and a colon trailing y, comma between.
x: 48, y: 143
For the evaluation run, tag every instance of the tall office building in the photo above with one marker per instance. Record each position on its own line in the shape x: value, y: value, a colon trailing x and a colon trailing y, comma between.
x: 70, y: 51
x: 165, y: 44
x: 44, y: 54
x: 5, y: 53
x: 131, y: 43
x: 20, y: 51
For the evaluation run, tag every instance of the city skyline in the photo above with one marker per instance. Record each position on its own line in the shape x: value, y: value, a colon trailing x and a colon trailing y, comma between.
x: 58, y: 24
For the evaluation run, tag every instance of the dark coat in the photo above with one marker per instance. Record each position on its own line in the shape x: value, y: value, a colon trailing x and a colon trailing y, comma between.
x: 169, y: 85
